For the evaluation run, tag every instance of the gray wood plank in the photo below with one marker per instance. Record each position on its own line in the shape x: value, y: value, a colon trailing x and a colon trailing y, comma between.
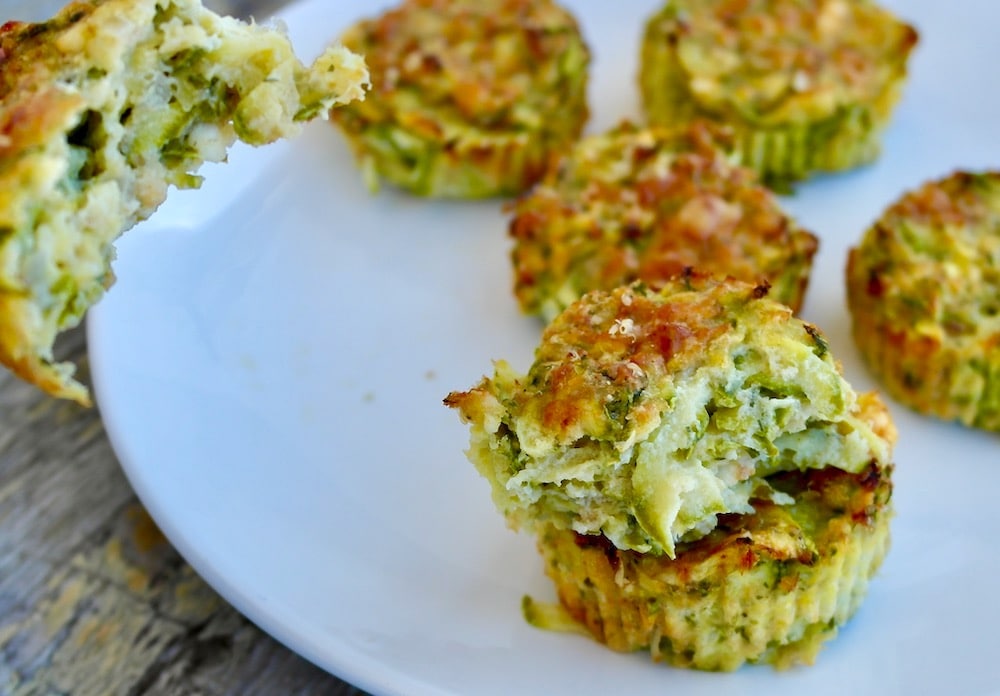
x: 93, y: 598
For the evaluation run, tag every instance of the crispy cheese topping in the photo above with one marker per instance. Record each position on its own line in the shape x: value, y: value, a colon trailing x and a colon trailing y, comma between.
x: 497, y: 64
x: 779, y: 61
x: 924, y: 293
x: 646, y: 204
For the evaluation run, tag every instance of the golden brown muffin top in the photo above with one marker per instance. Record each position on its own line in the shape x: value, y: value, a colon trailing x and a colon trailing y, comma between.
x: 646, y: 204
x: 933, y: 260
x: 495, y: 64
x: 612, y: 347
x: 648, y: 412
x: 777, y: 60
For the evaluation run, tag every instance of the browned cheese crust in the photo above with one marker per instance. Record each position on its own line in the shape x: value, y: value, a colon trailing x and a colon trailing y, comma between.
x: 924, y: 294
x: 644, y: 204
x: 470, y: 97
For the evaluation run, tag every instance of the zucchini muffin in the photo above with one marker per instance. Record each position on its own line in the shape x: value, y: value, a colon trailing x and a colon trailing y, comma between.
x: 646, y: 204
x: 702, y: 480
x: 924, y: 293
x: 809, y: 85
x: 102, y: 108
x: 470, y: 97
x: 768, y: 587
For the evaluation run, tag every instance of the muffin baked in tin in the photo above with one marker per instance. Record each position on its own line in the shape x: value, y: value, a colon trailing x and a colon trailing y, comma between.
x: 469, y: 98
x: 767, y: 587
x: 809, y: 85
x: 644, y: 204
x: 923, y: 288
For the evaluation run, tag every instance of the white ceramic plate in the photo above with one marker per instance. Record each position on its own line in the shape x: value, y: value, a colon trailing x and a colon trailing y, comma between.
x: 271, y: 364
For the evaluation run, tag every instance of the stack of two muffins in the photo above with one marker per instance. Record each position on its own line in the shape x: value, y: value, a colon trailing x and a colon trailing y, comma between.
x: 701, y: 479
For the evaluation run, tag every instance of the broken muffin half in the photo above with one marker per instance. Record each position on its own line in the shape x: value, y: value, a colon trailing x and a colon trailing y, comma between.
x: 102, y: 109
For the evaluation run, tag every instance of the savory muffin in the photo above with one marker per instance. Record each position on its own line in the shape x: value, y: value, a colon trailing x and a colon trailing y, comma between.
x: 646, y: 204
x: 809, y: 85
x: 924, y: 293
x: 767, y: 587
x: 469, y: 97
x: 678, y: 451
x: 102, y: 108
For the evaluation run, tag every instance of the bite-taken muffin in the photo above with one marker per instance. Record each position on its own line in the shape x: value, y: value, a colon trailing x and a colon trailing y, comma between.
x: 924, y: 294
x: 644, y: 204
x: 469, y: 97
x: 702, y: 480
x: 102, y: 108
x: 809, y: 85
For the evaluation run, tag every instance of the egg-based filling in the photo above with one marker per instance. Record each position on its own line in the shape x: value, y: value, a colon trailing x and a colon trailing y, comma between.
x: 101, y: 110
x: 649, y: 413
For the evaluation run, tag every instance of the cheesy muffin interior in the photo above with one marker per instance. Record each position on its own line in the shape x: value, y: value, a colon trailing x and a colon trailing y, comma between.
x: 924, y: 294
x: 469, y: 96
x: 644, y: 204
x: 647, y: 413
x: 104, y: 107
x: 809, y: 84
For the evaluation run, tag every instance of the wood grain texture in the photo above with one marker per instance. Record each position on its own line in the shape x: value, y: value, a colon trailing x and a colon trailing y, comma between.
x: 93, y: 599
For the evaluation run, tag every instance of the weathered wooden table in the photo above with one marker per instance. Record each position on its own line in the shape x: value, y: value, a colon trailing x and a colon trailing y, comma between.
x: 93, y: 599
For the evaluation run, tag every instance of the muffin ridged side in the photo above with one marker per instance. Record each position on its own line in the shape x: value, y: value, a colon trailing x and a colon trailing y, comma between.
x: 923, y: 290
x: 757, y: 589
x: 808, y: 85
x: 469, y: 99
